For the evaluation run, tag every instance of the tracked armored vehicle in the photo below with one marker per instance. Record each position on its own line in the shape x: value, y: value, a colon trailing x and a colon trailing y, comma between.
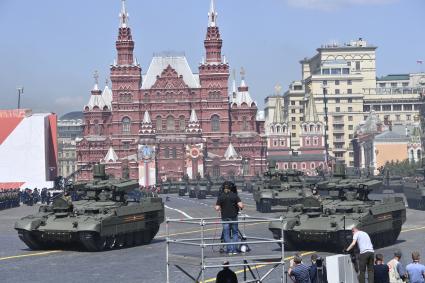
x: 324, y: 222
x: 105, y: 217
x: 279, y: 187
x: 414, y: 190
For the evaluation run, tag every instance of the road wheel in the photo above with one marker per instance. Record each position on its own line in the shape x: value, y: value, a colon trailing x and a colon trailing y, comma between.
x: 111, y: 242
x: 30, y: 240
x: 92, y: 241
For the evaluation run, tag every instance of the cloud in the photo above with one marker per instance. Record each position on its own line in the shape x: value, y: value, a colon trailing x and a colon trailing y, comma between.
x: 331, y: 5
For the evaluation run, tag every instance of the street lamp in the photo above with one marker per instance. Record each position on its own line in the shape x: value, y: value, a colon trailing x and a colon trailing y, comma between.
x: 325, y: 101
x: 20, y: 91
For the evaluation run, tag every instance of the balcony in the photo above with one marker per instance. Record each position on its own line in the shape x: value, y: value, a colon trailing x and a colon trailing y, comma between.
x: 342, y: 149
x: 394, y: 90
x: 339, y: 140
x: 339, y: 130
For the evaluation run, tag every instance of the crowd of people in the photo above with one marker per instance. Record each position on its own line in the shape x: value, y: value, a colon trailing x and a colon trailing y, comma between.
x: 9, y: 198
x: 31, y: 197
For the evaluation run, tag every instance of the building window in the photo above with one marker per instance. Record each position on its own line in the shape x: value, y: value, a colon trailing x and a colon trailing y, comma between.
x: 350, y: 118
x: 282, y: 143
x: 350, y: 100
x: 307, y: 141
x: 301, y: 110
x: 366, y: 108
x: 215, y: 123
x: 216, y: 171
x: 166, y: 152
x: 182, y: 124
x: 397, y: 107
x: 126, y: 125
x: 386, y: 107
x: 315, y: 141
x: 357, y: 66
x: 349, y: 82
x: 159, y: 123
x: 285, y: 165
x: 377, y: 107
x: 397, y: 117
x: 339, y: 154
x: 337, y: 109
x: 382, y: 84
x: 302, y: 118
x: 293, y: 119
x: 294, y: 127
x: 292, y: 111
x: 351, y: 154
x: 350, y: 127
x: 174, y: 153
x: 349, y: 91
x: 294, y: 135
x: 405, y: 84
x: 350, y: 109
x: 312, y: 165
x: 336, y: 91
x: 292, y: 102
x: 350, y: 136
x: 325, y: 72
x: 275, y: 143
x: 337, y: 82
x: 303, y: 165
x: 170, y: 123
x: 325, y: 82
x: 407, y: 107
x: 294, y: 165
x: 96, y: 128
x: 215, y: 143
x: 345, y: 71
x: 393, y: 84
x: 337, y: 100
x: 408, y: 117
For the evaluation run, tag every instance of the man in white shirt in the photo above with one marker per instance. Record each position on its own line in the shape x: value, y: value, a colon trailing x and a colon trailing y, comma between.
x: 366, y: 258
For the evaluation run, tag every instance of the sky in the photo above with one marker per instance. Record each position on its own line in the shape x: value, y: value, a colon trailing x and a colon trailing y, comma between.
x: 52, y: 48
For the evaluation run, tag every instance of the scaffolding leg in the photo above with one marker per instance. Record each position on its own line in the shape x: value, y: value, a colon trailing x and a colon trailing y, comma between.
x: 250, y: 270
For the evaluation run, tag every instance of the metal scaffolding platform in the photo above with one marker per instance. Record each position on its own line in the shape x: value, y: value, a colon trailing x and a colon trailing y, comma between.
x: 272, y: 259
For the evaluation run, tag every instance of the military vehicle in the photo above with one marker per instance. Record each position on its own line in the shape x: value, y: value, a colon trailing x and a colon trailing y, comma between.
x: 414, y: 189
x: 183, y: 188
x: 324, y: 222
x: 105, y: 218
x: 390, y: 183
x: 193, y: 187
x: 279, y: 187
x: 202, y: 189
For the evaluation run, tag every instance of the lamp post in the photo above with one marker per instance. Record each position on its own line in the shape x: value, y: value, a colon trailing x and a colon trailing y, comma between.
x: 20, y: 91
x: 325, y: 101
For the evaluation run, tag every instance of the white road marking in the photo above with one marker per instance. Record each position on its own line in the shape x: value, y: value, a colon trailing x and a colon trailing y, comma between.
x: 179, y: 211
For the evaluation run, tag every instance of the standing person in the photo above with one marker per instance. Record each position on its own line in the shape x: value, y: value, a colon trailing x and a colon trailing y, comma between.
x: 317, y: 270
x: 299, y: 273
x: 415, y: 270
x: 396, y: 270
x: 226, y: 275
x: 366, y: 259
x: 229, y: 204
x: 381, y: 270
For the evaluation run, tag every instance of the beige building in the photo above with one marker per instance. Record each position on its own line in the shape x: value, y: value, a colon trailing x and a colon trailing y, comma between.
x: 70, y: 128
x: 346, y: 76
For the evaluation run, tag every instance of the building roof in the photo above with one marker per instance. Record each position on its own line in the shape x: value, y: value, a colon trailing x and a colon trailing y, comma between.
x: 178, y: 63
x: 107, y: 96
x: 278, y: 113
x: 311, y: 111
x: 111, y: 156
x: 394, y: 77
x: 74, y: 115
x: 231, y: 153
x: 147, y: 118
x: 392, y: 136
x: 96, y: 100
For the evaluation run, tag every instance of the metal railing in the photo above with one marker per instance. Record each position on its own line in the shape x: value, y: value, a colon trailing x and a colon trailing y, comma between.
x: 271, y: 260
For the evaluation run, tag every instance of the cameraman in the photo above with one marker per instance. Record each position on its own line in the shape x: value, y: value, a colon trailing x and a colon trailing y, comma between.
x: 229, y: 204
x: 317, y: 270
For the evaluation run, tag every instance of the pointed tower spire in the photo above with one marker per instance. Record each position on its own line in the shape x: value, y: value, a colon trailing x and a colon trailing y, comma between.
x: 193, y: 117
x: 125, y: 43
x: 234, y: 81
x: 243, y: 86
x: 212, y: 15
x: 278, y: 114
x: 213, y: 41
x: 96, y: 81
x: 147, y: 118
x: 231, y: 153
x: 311, y: 111
x: 123, y: 15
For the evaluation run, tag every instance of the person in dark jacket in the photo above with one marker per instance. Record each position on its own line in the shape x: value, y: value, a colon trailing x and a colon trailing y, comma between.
x: 226, y: 275
x: 317, y: 270
x: 381, y: 270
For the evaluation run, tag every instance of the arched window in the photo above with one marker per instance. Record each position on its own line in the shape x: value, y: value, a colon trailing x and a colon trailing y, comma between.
x: 174, y: 153
x: 318, y: 128
x: 182, y: 124
x: 170, y: 123
x: 215, y: 123
x: 158, y: 123
x: 285, y: 165
x: 166, y: 152
x: 412, y: 155
x: 277, y: 129
x: 126, y: 125
x: 216, y: 171
x: 245, y: 126
x: 305, y: 128
x: 311, y: 128
x: 303, y: 165
x: 419, y: 155
x: 282, y: 142
x: 312, y: 165
x: 307, y: 141
x: 294, y: 165
x: 315, y: 141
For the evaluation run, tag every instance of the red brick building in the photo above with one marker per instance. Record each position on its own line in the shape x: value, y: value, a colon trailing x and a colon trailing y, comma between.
x: 311, y: 152
x: 170, y: 121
